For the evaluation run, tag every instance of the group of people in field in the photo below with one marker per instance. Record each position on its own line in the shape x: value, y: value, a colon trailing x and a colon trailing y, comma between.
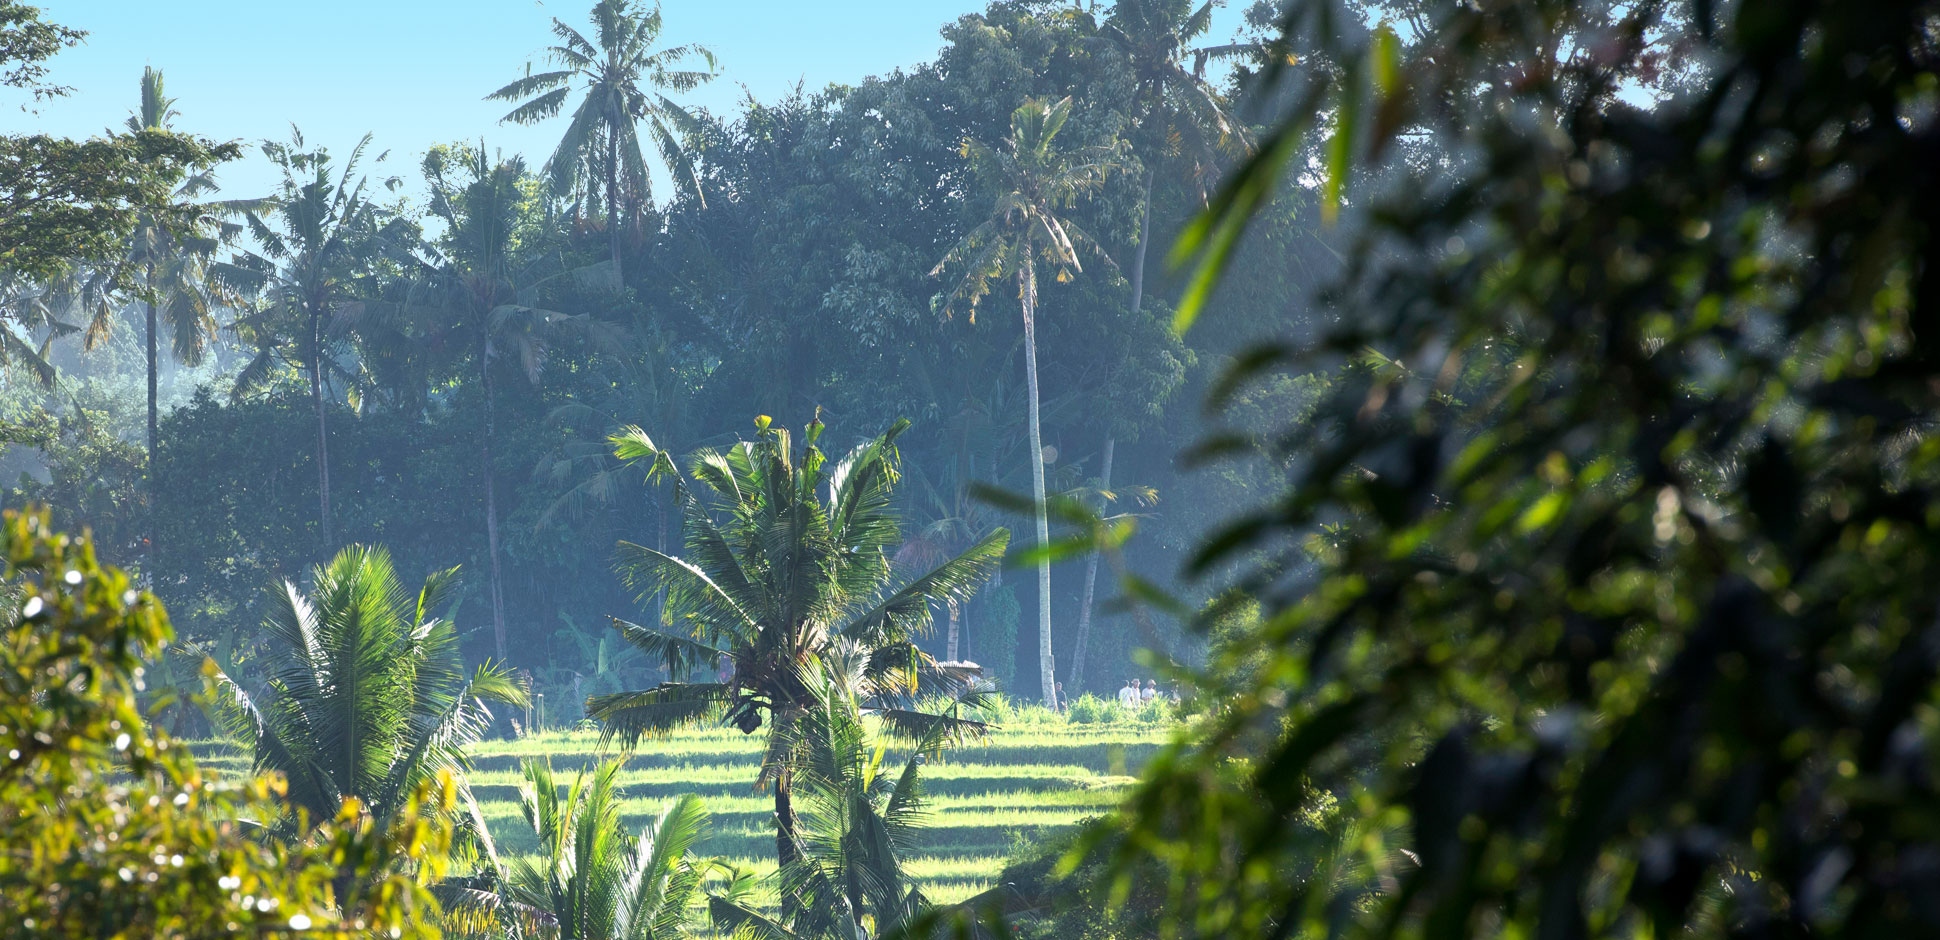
x: 1132, y: 695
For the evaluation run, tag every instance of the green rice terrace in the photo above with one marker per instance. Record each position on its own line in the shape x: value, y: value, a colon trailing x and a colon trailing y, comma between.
x: 1020, y: 783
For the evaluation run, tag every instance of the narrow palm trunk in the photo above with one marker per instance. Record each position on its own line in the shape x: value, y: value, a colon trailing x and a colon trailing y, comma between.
x: 154, y: 488
x: 1111, y: 442
x: 1079, y: 645
x: 1027, y: 292
x: 950, y: 650
x: 613, y: 202
x: 323, y: 431
x: 1144, y: 238
x: 486, y: 461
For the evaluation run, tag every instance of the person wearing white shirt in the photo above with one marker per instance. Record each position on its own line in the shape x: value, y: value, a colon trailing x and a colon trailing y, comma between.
x: 1128, y: 696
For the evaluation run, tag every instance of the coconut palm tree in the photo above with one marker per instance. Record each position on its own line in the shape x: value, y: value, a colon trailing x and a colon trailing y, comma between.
x: 364, y: 694
x: 476, y: 293
x: 318, y: 237
x: 168, y: 257
x: 786, y: 574
x: 859, y: 822
x: 1177, y: 115
x: 624, y: 80
x: 166, y: 267
x: 1035, y: 182
x: 594, y: 881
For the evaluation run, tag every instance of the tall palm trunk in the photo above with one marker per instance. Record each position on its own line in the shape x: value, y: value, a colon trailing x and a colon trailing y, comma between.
x: 1079, y: 645
x: 486, y: 462
x: 323, y: 429
x: 613, y: 200
x: 154, y: 487
x: 1111, y: 441
x: 1144, y: 239
x: 1027, y: 293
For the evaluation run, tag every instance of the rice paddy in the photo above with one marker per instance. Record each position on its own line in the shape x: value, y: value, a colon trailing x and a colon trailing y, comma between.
x: 986, y: 797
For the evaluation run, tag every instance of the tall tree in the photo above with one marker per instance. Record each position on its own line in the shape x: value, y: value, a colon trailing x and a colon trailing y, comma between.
x: 476, y: 293
x: 166, y: 267
x: 786, y: 570
x: 365, y: 695
x: 1177, y: 116
x: 1035, y: 183
x: 62, y: 200
x: 624, y: 80
x: 317, y: 238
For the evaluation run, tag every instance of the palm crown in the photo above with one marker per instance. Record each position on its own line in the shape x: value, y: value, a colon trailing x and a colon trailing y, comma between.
x: 625, y: 80
x: 787, y: 581
x: 1035, y: 182
x: 1178, y: 110
x: 365, y: 694
x: 168, y: 254
x: 595, y: 881
x: 787, y: 571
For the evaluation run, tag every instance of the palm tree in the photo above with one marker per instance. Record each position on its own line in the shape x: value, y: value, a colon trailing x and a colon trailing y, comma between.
x: 624, y: 80
x: 1177, y: 115
x: 168, y: 257
x: 1035, y: 183
x: 1176, y: 112
x: 595, y: 882
x: 477, y: 293
x: 167, y: 265
x: 308, y: 266
x: 786, y: 574
x: 859, y: 822
x: 364, y: 694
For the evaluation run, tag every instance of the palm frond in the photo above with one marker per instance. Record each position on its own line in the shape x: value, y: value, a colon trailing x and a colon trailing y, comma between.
x: 681, y: 655
x: 907, y: 610
x: 630, y: 716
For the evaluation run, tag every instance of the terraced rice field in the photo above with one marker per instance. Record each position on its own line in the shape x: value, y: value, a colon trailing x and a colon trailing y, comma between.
x: 985, y: 797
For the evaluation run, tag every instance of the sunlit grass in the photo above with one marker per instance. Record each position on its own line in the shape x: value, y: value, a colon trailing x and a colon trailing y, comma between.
x: 1022, y: 782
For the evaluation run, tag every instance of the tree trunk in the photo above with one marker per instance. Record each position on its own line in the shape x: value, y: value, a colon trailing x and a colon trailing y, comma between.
x: 1027, y: 293
x: 323, y: 432
x: 1111, y: 442
x: 950, y: 650
x: 785, y: 853
x: 154, y: 487
x: 1144, y: 239
x: 486, y: 462
x: 1091, y: 581
x: 660, y: 545
x: 613, y: 201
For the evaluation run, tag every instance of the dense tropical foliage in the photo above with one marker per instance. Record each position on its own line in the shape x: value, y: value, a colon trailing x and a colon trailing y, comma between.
x: 111, y: 828
x: 1520, y: 466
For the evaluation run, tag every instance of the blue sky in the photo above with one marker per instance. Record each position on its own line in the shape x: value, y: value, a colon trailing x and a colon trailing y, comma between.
x: 414, y: 72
